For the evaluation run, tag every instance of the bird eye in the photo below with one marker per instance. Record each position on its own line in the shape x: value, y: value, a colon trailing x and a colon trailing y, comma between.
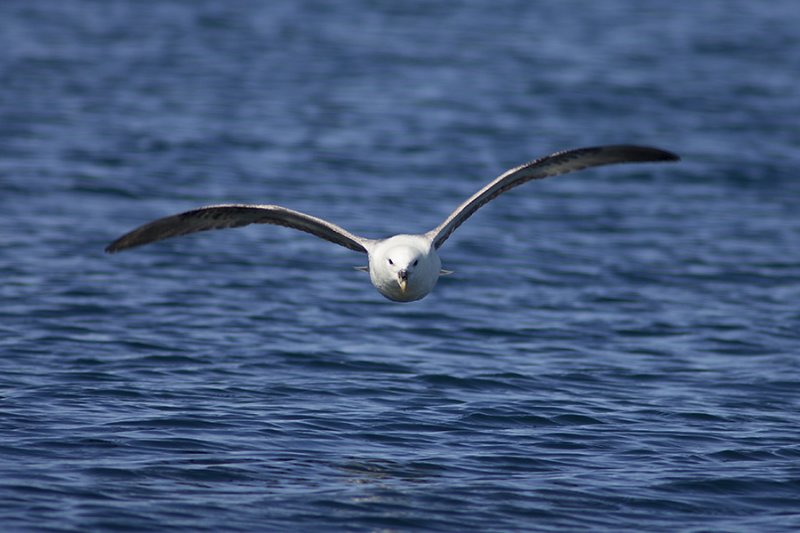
x: 391, y: 262
x: 416, y: 261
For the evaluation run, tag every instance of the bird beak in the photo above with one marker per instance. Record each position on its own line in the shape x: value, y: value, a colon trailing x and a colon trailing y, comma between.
x: 402, y: 280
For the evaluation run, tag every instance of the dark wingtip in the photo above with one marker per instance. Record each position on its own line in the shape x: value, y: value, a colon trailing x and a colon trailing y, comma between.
x: 624, y: 153
x: 645, y: 153
x: 116, y: 246
x: 669, y: 156
x: 658, y: 154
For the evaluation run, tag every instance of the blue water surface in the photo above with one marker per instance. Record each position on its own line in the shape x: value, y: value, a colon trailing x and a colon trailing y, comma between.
x: 617, y: 349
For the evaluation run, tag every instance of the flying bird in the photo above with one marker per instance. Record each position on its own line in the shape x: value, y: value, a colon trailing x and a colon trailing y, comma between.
x: 405, y: 267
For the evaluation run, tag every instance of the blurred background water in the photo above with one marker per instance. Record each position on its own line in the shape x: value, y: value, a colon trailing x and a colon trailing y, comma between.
x: 617, y: 349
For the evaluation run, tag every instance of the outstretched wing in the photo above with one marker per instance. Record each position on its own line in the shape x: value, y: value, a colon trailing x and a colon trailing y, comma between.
x: 235, y: 216
x: 551, y: 165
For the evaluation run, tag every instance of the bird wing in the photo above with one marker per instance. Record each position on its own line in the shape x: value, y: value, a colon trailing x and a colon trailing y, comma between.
x: 235, y: 216
x: 551, y: 165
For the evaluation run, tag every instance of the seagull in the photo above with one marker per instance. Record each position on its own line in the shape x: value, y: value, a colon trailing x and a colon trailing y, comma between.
x: 405, y: 267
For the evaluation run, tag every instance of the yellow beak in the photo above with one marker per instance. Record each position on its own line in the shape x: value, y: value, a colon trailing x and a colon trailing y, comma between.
x: 403, y: 284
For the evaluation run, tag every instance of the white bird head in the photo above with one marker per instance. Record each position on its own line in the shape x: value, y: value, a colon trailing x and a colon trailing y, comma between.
x: 404, y: 268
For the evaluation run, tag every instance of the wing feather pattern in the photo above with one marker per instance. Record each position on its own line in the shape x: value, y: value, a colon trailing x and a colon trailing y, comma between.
x: 551, y: 165
x: 235, y: 216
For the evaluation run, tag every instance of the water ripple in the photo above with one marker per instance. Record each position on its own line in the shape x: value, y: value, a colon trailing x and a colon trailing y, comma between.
x: 615, y: 351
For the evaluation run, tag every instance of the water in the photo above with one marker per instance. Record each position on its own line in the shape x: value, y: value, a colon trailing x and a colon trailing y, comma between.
x: 617, y: 349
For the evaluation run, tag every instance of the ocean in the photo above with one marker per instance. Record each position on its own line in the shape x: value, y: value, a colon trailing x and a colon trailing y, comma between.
x: 617, y: 349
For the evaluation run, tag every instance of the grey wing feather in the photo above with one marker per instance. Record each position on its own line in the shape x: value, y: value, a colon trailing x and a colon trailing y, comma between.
x: 234, y: 216
x: 551, y: 165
